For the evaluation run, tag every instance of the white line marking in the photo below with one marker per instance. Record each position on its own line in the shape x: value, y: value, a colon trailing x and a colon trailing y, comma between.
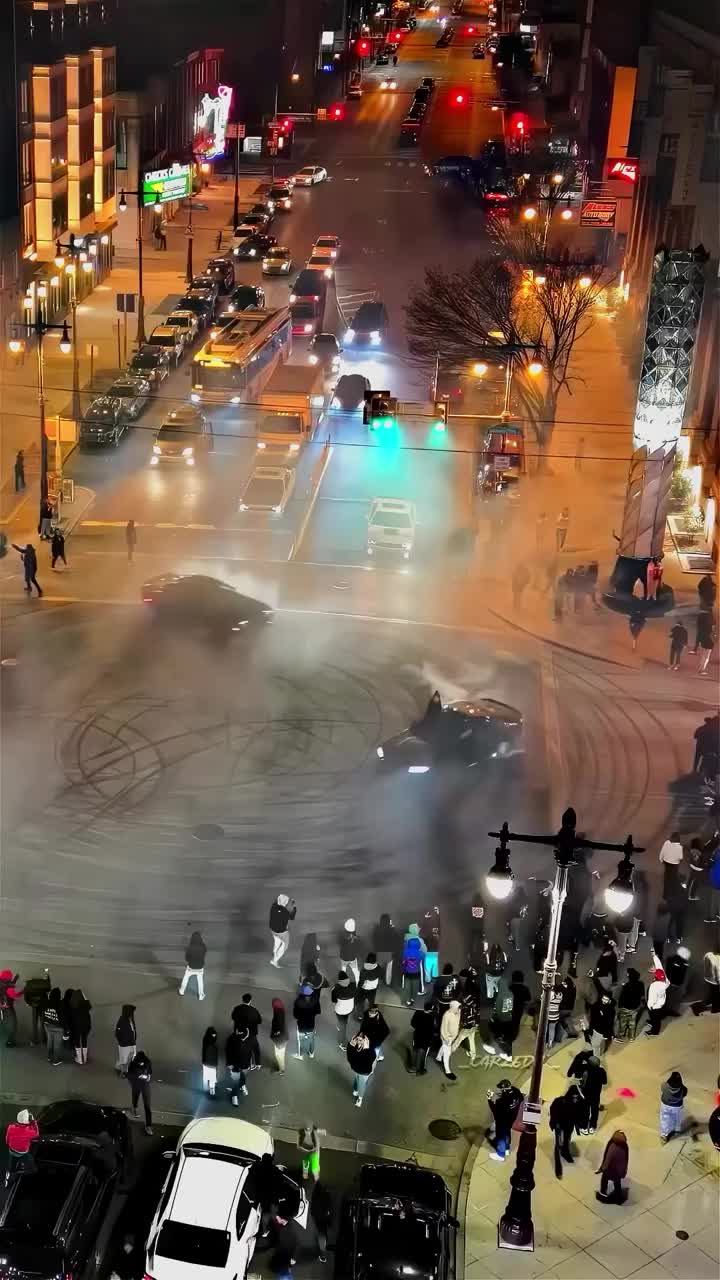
x: 298, y: 541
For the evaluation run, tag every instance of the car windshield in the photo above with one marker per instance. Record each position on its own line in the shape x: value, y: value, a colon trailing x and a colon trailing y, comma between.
x: 176, y: 433
x: 326, y: 341
x: 163, y: 339
x: 392, y: 519
x: 282, y: 422
x: 278, y: 253
x: 146, y: 361
x: 200, y: 1246
x: 181, y: 322
x: 38, y: 1200
x: 125, y: 389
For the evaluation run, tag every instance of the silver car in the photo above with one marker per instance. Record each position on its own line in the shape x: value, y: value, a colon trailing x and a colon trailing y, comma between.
x: 277, y: 261
x: 133, y: 394
x: 186, y: 323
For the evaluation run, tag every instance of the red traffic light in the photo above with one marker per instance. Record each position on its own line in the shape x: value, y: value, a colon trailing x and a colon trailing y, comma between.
x: 286, y: 125
x: 336, y: 112
x: 469, y: 31
x: 519, y: 123
x: 460, y: 98
x: 396, y: 37
x: 363, y: 46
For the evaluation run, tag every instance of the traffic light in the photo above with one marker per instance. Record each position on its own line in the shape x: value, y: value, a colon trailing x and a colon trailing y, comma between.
x: 336, y: 112
x: 286, y: 125
x: 459, y: 98
x: 469, y: 31
x: 518, y: 124
x: 362, y: 47
x: 441, y: 415
x: 396, y: 37
x: 380, y: 409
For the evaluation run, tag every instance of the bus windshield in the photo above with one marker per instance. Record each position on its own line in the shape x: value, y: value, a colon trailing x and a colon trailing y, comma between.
x: 235, y: 364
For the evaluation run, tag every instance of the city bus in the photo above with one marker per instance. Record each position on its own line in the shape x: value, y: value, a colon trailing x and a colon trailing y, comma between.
x: 234, y: 366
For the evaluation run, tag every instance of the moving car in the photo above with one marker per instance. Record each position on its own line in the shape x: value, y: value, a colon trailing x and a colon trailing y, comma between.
x: 208, y: 1217
x: 322, y: 259
x: 104, y: 422
x: 277, y: 261
x: 254, y: 247
x: 186, y: 323
x: 201, y: 306
x: 310, y: 175
x: 464, y: 733
x: 350, y: 391
x: 171, y: 340
x: 185, y: 436
x: 325, y: 350
x: 355, y: 89
x: 268, y: 489
x: 54, y: 1219
x: 250, y: 223
x: 133, y: 393
x: 223, y: 270
x: 478, y: 51
x: 387, y: 83
x: 445, y: 38
x: 152, y: 363
x: 451, y: 167
x: 206, y: 282
x: 399, y: 1224
x: 391, y: 526
x: 369, y: 325
x: 280, y: 197
x: 243, y: 297
x: 330, y: 244
x: 195, y: 602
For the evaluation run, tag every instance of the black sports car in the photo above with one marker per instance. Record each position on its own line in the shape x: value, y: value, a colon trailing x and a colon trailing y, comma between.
x: 399, y: 1225
x: 193, y: 602
x: 465, y: 733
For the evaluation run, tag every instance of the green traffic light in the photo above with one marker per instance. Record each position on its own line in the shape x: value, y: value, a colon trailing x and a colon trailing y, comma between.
x: 439, y: 425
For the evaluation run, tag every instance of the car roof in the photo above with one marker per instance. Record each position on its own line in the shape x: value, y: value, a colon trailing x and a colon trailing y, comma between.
x: 225, y: 1131
x: 480, y: 707
x: 367, y: 311
x: 206, y: 1190
x: 392, y: 504
x: 404, y: 1180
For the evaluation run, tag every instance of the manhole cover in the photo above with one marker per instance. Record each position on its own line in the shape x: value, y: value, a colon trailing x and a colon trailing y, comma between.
x: 208, y: 831
x: 682, y: 1235
x: 444, y: 1130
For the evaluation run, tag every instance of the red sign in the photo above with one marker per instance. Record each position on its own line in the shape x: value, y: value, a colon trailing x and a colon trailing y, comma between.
x: 598, y: 213
x: 623, y: 169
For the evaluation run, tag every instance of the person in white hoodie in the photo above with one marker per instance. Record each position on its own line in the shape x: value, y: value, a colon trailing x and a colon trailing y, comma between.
x: 656, y: 997
x: 449, y: 1030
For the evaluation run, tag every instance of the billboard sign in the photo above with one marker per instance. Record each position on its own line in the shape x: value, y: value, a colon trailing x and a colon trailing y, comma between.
x: 211, y: 120
x: 598, y: 213
x: 174, y: 183
x: 623, y: 169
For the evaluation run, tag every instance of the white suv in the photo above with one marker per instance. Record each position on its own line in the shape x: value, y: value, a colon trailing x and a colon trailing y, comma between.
x: 391, y: 526
x: 206, y: 1222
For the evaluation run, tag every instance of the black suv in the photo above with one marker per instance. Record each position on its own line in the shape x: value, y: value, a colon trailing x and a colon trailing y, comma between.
x: 223, y: 271
x: 104, y: 422
x: 399, y: 1224
x: 54, y: 1220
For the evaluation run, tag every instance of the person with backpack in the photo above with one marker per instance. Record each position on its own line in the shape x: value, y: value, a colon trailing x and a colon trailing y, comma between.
x: 278, y: 1034
x: 613, y: 1168
x: 563, y: 1112
x: 631, y: 999
x: 139, y: 1074
x: 368, y: 985
x: 496, y: 966
x: 53, y: 1027
x: 501, y: 1023
x: 411, y: 964
x: 195, y: 953
x: 9, y: 993
x: 424, y: 1029
x: 343, y: 998
x: 504, y: 1103
x: 446, y: 987
x: 591, y: 1077
x: 672, y: 1106
x: 246, y: 1015
x: 209, y: 1055
x: 126, y: 1037
x: 36, y: 993
x: 19, y: 1135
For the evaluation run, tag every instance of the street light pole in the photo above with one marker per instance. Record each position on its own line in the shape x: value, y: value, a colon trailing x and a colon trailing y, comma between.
x: 76, y: 405
x: 140, y: 335
x: 236, y: 197
x: 189, y: 233
x: 515, y: 1228
x: 38, y: 328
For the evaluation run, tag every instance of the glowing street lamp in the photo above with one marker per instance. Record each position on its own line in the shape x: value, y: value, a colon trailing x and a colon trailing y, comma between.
x: 585, y: 282
x: 529, y: 213
x: 535, y: 367
x: 480, y: 369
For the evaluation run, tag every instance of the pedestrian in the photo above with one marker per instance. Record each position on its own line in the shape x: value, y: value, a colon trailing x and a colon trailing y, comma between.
x: 361, y: 1059
x: 128, y: 1262
x: 521, y: 999
x: 501, y: 1023
x: 672, y: 1106
x: 46, y: 519
x: 677, y: 905
x: 504, y: 1103
x: 29, y: 564
x: 35, y: 994
x: 309, y: 954
x: 281, y: 1263
x: 57, y: 548
x: 699, y: 864
x: 580, y: 589
x: 343, y: 998
x: 130, y: 539
x: 19, y: 1135
x: 315, y: 979
x: 309, y: 1146
x: 395, y: 60
x: 540, y: 527
x: 424, y: 1029
x: 707, y: 592
x: 282, y: 911
x: 707, y: 637
x: 496, y: 966
x: 606, y: 968
x: 139, y: 1074
x: 162, y: 236
x: 350, y: 949
x: 613, y: 1168
x: 656, y: 998
x: 238, y: 1059
x: 80, y: 1025
x: 563, y: 1111
x: 368, y: 985
x: 52, y: 1024
x: 19, y: 471
x: 678, y: 641
x: 559, y: 595
x: 568, y: 995
x: 519, y: 580
x: 593, y: 571
x: 631, y: 999
x: 553, y: 1023
x: 591, y: 1077
x: 430, y: 934
x: 676, y: 972
x: 218, y: 242
x: 653, y: 578
x: 321, y: 1212
x: 704, y: 737
x: 246, y: 1015
x: 195, y: 954
x: 126, y: 1038
x: 449, y: 1030
x: 561, y: 528
x: 446, y: 987
x: 210, y: 1055
x: 305, y: 1012
x: 636, y: 622
x: 469, y: 1020
x: 670, y: 856
x: 411, y: 964
x: 376, y: 1029
x: 640, y: 909
x: 579, y: 453
x: 602, y: 1024
x: 278, y: 1034
x: 711, y: 975
x: 387, y: 945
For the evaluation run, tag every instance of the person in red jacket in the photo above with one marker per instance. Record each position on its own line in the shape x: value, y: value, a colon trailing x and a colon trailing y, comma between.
x: 9, y: 993
x: 19, y: 1135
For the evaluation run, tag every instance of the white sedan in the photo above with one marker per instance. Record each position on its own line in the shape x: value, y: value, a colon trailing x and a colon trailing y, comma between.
x: 310, y: 175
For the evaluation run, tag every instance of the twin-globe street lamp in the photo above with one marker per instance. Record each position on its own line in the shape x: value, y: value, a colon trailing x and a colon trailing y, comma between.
x: 38, y: 327
x: 515, y: 1228
x: 157, y: 208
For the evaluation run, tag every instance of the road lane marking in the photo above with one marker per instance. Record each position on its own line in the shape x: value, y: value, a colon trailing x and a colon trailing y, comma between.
x: 298, y: 541
x: 208, y: 528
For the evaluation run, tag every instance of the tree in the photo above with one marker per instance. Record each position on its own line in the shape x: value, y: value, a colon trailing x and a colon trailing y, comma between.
x: 534, y: 300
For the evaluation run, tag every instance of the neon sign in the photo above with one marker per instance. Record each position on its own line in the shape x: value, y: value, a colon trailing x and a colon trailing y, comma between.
x: 624, y: 169
x: 211, y: 120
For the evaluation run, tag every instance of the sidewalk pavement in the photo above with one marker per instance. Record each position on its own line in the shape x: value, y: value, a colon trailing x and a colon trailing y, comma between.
x: 97, y: 319
x: 669, y: 1226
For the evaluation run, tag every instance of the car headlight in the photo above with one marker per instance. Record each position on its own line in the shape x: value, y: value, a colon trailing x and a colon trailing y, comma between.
x: 188, y: 451
x: 307, y: 328
x: 261, y: 444
x: 236, y: 251
x: 333, y: 253
x: 328, y: 273
x: 380, y: 753
x: 350, y: 335
x: 157, y: 449
x: 375, y: 336
x: 154, y: 460
x: 419, y: 768
x: 190, y: 462
x: 287, y: 204
x: 194, y: 397
x: 252, y: 253
x: 294, y: 448
x: 293, y: 297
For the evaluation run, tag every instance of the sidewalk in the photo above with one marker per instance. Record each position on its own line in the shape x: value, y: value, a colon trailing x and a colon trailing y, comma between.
x: 673, y: 1189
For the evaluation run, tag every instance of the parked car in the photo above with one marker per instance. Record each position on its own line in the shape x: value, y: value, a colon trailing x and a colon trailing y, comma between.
x: 399, y: 1224
x: 223, y: 270
x: 186, y: 324
x: 254, y: 247
x: 206, y: 282
x: 171, y: 340
x: 152, y: 363
x: 103, y: 422
x: 201, y: 306
x: 133, y: 393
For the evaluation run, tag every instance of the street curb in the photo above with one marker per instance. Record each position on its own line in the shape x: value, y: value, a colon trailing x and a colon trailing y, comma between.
x: 462, y: 1203
x: 79, y: 508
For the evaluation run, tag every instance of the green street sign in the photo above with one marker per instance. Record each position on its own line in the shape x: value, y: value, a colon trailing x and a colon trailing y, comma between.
x: 174, y: 183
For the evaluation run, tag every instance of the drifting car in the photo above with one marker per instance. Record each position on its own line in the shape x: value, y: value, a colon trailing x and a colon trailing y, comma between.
x: 462, y: 733
x: 188, y: 603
